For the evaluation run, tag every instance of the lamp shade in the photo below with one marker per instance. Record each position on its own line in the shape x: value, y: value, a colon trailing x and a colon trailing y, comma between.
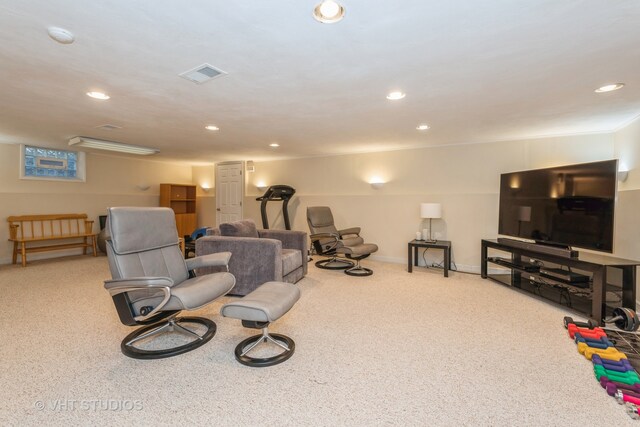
x: 430, y: 210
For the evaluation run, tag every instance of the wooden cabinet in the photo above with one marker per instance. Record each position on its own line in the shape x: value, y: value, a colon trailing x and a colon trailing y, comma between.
x: 182, y: 199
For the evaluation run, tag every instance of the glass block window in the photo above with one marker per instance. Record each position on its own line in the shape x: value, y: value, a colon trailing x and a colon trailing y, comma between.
x: 47, y: 163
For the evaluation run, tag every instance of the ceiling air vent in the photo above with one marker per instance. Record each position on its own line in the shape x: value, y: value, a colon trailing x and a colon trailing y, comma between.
x: 202, y: 73
x: 108, y: 127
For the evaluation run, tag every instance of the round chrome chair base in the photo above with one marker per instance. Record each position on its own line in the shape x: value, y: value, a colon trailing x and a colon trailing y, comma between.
x: 260, y: 362
x: 359, y: 271
x: 334, y: 264
x: 129, y: 349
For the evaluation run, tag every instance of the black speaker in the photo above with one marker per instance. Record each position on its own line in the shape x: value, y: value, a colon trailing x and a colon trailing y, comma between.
x: 543, y: 249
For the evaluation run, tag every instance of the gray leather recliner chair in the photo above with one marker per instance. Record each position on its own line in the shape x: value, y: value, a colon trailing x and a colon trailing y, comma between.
x: 328, y: 241
x: 152, y: 282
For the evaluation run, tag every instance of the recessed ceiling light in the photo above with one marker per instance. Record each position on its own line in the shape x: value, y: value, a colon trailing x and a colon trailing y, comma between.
x: 422, y: 127
x: 60, y: 35
x: 396, y: 95
x: 328, y: 12
x: 274, y: 145
x: 609, y: 88
x: 98, y: 95
x: 212, y: 127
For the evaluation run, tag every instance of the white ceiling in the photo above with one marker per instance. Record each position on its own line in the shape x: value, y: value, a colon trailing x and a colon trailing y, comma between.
x: 476, y: 71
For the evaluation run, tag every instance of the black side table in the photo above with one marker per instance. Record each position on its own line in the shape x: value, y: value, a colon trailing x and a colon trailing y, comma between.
x: 445, y: 245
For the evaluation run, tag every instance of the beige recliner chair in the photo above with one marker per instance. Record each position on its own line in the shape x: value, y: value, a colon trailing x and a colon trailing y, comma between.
x: 152, y: 283
x: 337, y: 244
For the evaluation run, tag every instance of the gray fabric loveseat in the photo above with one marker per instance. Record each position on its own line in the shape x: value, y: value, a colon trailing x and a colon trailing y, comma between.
x: 258, y: 256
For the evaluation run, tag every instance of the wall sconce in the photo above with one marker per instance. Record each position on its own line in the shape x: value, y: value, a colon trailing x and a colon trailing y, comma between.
x: 623, y: 175
x: 205, y: 188
x: 376, y: 182
x: 143, y: 187
x: 261, y: 186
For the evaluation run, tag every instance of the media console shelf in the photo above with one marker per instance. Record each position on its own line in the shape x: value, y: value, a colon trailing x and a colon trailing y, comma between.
x: 598, y: 283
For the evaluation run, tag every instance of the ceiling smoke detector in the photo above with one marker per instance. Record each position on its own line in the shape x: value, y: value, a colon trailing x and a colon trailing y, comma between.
x: 61, y: 35
x: 202, y: 73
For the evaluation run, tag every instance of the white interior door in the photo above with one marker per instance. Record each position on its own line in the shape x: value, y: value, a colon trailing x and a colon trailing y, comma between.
x: 229, y: 192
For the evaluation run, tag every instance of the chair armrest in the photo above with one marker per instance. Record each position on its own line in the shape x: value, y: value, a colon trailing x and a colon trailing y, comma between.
x: 291, y: 239
x: 321, y: 236
x: 352, y: 230
x: 119, y: 286
x: 327, y: 241
x: 210, y: 260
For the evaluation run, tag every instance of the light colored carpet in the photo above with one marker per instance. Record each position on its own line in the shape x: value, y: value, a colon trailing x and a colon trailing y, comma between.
x: 391, y: 349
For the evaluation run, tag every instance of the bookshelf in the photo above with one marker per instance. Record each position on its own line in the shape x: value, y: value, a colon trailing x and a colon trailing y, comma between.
x: 182, y: 199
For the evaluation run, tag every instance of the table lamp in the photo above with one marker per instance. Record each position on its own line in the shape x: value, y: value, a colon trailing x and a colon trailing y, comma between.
x: 431, y: 211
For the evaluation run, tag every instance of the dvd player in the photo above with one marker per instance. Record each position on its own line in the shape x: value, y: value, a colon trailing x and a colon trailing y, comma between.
x: 564, y: 275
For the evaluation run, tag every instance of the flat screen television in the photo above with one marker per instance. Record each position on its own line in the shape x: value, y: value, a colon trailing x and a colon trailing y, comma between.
x: 564, y: 205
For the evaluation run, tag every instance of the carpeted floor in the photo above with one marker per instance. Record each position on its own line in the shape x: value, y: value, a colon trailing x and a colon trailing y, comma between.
x: 391, y: 349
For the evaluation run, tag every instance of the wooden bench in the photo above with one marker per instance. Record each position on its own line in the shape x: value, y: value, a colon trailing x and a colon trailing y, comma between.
x: 41, y: 228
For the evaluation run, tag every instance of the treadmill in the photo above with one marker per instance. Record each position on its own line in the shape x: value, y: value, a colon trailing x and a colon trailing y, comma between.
x: 276, y: 193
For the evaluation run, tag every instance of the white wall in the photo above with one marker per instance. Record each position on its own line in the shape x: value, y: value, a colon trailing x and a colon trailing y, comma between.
x: 464, y: 178
x: 111, y: 181
x: 627, y: 149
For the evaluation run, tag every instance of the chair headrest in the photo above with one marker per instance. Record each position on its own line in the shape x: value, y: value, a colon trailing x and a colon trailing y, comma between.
x: 141, y: 229
x: 319, y: 216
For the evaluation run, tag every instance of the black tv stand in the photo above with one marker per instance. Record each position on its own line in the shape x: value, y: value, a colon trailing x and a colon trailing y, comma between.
x: 561, y: 279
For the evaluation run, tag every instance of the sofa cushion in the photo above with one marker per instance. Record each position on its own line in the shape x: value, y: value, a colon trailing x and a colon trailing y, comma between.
x: 244, y: 228
x: 291, y: 259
